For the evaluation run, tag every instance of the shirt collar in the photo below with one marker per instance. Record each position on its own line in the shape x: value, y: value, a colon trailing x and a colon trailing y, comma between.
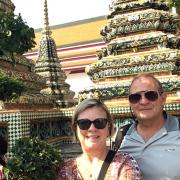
x: 171, y: 124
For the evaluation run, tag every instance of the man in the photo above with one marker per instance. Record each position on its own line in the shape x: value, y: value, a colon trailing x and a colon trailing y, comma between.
x: 154, y: 140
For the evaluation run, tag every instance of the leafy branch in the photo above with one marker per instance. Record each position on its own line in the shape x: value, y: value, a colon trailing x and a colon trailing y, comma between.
x: 15, y: 35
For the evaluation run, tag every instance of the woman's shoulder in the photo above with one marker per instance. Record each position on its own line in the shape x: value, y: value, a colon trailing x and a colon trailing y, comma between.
x: 67, y: 169
x: 1, y: 171
x: 69, y: 162
x: 126, y: 159
x: 122, y: 156
x: 127, y: 164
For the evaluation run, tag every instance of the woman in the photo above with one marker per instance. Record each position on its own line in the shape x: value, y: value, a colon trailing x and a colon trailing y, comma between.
x: 92, y: 124
x: 3, y: 151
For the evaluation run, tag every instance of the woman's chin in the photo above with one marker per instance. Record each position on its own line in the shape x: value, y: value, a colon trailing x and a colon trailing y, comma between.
x: 92, y: 141
x: 92, y: 147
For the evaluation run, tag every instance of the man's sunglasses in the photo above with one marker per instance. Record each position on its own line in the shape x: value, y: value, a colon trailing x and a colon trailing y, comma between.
x: 149, y: 95
x: 85, y: 124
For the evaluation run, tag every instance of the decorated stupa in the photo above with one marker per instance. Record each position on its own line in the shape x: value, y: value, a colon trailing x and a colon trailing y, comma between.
x: 48, y: 66
x: 44, y: 82
x: 140, y: 37
x: 22, y: 69
x: 6, y: 6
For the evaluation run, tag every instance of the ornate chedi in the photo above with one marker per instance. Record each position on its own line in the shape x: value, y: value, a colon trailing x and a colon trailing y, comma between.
x: 23, y: 71
x: 140, y: 38
x: 48, y: 66
x: 6, y: 5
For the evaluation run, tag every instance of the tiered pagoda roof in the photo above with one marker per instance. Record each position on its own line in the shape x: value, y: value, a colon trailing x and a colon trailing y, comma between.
x: 140, y: 37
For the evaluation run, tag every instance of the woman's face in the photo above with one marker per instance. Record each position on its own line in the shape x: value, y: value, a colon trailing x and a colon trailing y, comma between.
x: 93, y: 139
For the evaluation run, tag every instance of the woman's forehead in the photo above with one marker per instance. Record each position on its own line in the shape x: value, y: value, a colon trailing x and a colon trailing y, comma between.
x: 93, y: 111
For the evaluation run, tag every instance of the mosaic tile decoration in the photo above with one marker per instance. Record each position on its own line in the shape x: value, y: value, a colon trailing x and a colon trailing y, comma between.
x: 19, y: 123
x: 123, y: 110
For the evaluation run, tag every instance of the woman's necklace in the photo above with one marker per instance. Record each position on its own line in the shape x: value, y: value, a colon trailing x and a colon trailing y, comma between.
x: 88, y: 172
x: 91, y: 177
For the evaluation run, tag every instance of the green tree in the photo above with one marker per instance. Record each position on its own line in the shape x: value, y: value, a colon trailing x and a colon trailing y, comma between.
x: 34, y: 159
x: 16, y: 37
x: 10, y: 88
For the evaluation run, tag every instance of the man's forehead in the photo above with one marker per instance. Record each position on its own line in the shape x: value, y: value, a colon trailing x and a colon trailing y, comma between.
x: 145, y: 79
x: 144, y: 82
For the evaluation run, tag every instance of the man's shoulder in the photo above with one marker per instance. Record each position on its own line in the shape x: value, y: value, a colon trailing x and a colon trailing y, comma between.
x: 172, y: 122
x: 169, y: 116
x: 127, y: 128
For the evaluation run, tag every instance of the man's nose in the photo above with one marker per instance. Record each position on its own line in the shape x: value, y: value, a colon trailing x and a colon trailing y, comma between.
x: 143, y: 100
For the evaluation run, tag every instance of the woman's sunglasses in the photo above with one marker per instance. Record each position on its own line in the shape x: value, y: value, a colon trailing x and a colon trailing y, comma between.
x: 85, y: 124
x: 149, y: 95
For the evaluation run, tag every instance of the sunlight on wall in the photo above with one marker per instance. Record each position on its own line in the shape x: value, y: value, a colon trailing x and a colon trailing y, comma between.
x: 78, y: 82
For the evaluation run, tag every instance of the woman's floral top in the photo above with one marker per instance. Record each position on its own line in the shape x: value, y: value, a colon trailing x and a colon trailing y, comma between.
x: 1, y: 172
x: 122, y: 167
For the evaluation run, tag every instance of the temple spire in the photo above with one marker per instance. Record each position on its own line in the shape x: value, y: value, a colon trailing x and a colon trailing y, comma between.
x: 48, y: 66
x: 46, y: 29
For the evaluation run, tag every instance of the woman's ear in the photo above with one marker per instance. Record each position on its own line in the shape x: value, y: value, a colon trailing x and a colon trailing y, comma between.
x: 110, y: 129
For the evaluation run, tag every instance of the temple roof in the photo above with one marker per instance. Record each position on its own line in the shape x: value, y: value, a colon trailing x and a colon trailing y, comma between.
x: 76, y: 42
x: 75, y: 33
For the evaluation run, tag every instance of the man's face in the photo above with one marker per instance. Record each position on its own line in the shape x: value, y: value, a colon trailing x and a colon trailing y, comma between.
x: 146, y: 109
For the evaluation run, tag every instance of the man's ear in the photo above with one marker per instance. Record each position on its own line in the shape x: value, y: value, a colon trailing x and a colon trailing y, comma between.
x: 164, y: 96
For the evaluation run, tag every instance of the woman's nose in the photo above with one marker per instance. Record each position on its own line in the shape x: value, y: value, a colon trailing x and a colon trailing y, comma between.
x: 92, y: 127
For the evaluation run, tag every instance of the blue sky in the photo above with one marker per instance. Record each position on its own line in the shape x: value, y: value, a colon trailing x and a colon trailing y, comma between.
x: 60, y: 11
